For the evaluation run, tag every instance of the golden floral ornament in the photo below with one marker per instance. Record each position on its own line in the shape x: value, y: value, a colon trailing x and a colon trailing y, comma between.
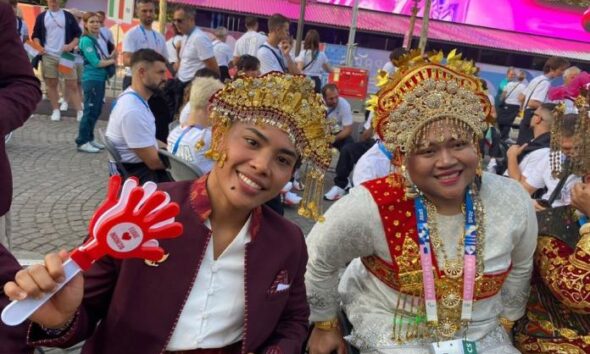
x: 286, y: 102
x: 424, y: 90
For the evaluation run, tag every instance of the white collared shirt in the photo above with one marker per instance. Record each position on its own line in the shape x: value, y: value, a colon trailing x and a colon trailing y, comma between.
x: 195, y: 48
x: 249, y: 43
x: 213, y: 314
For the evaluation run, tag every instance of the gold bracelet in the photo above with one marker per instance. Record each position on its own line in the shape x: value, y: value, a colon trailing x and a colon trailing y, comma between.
x: 326, y: 325
x: 506, y: 323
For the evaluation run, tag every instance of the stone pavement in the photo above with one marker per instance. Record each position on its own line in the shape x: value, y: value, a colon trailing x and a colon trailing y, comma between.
x: 56, y: 189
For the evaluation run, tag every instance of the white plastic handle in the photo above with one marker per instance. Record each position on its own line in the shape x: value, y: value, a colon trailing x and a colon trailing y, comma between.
x: 18, y: 311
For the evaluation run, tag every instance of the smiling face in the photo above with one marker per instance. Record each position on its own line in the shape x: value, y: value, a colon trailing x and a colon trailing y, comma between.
x: 93, y: 25
x: 260, y: 161
x: 443, y: 165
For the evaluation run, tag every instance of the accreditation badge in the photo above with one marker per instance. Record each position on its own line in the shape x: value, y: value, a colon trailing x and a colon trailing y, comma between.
x: 456, y: 346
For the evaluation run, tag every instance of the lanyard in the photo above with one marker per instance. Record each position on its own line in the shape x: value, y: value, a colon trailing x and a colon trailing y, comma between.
x: 384, y: 150
x: 183, y: 45
x: 55, y: 21
x: 279, y: 59
x: 146, y: 37
x: 469, y: 259
x: 131, y: 92
x: 177, y: 143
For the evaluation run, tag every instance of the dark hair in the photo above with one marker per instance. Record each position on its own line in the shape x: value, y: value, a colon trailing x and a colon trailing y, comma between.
x: 328, y: 87
x: 555, y: 63
x: 145, y: 2
x: 13, y: 2
x: 568, y: 125
x: 312, y: 40
x: 484, y: 84
x: 189, y: 12
x: 101, y: 13
x: 276, y: 21
x: 87, y: 16
x: 248, y: 63
x: 251, y: 21
x: 548, y: 106
x: 397, y: 53
x: 146, y: 55
x: 206, y: 72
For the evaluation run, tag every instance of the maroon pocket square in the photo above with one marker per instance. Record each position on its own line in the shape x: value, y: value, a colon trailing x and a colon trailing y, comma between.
x: 280, y: 284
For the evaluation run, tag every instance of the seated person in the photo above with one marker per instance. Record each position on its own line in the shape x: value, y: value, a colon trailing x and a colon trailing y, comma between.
x: 192, y: 138
x: 558, y: 311
x: 349, y: 155
x: 375, y: 163
x: 132, y: 126
x: 13, y: 340
x: 186, y: 109
x: 524, y: 159
x: 339, y: 115
x: 233, y: 281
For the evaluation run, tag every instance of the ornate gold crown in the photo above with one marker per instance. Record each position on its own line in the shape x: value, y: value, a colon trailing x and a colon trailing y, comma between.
x: 578, y: 92
x: 287, y: 102
x: 423, y: 90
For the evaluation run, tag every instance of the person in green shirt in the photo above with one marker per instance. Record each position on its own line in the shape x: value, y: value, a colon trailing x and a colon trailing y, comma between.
x: 510, y: 76
x: 98, y: 67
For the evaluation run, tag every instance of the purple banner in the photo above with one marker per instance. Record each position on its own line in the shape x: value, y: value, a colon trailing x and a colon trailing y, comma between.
x: 540, y: 17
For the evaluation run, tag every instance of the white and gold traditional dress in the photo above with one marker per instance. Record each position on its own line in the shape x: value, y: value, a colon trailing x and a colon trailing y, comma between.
x: 558, y: 312
x: 375, y: 228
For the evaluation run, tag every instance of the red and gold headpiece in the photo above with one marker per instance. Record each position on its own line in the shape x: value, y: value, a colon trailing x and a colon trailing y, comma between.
x: 424, y: 90
x: 287, y: 102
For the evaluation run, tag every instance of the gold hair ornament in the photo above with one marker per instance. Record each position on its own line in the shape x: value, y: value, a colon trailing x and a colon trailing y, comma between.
x: 286, y: 102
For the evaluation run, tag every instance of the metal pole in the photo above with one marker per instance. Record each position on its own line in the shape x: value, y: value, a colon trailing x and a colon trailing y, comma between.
x: 425, y: 21
x: 351, y: 46
x: 408, y: 40
x: 162, y: 18
x: 300, y: 24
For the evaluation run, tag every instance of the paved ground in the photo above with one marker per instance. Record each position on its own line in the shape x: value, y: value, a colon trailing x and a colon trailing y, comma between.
x: 56, y: 188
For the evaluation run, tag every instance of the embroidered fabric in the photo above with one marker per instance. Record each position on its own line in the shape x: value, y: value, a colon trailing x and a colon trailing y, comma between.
x: 353, y: 228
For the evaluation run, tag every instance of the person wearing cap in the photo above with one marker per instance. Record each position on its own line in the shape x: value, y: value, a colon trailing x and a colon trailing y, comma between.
x: 233, y: 281
x: 559, y: 304
x: 439, y: 254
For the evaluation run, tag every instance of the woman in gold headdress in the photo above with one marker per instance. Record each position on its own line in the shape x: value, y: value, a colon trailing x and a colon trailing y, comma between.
x: 558, y: 312
x: 445, y: 251
x: 233, y: 282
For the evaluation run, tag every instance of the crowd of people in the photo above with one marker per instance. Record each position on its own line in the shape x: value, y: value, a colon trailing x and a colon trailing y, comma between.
x: 426, y: 249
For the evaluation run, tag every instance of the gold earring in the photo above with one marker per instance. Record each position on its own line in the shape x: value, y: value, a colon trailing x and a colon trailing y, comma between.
x: 221, y: 160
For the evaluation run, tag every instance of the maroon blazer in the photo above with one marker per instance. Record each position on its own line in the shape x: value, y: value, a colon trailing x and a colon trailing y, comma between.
x: 13, y: 340
x: 138, y: 305
x: 19, y: 93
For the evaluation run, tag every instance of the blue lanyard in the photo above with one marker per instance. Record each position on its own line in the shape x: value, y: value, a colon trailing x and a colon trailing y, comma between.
x: 384, y: 150
x: 136, y: 95
x: 145, y: 35
x: 177, y: 143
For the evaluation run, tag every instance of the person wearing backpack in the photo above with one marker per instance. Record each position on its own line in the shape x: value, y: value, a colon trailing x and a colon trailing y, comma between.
x: 98, y: 67
x: 311, y: 61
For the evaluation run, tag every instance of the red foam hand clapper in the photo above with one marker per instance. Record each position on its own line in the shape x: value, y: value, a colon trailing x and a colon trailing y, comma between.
x: 126, y: 225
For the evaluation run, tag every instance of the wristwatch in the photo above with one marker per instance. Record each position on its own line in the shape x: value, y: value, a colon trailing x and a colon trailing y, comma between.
x: 326, y: 325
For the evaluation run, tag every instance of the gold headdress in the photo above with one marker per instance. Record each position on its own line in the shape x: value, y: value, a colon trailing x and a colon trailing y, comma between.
x: 287, y: 102
x: 422, y: 91
x: 578, y: 92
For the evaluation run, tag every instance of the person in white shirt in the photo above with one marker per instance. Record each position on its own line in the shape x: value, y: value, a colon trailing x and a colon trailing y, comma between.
x: 105, y: 36
x: 223, y: 53
x: 58, y: 32
x: 536, y: 94
x: 271, y: 56
x: 250, y: 41
x: 509, y: 105
x: 132, y: 126
x: 524, y: 159
x: 375, y: 163
x: 543, y: 178
x: 142, y: 36
x: 173, y: 46
x: 192, y: 138
x: 395, y: 54
x: 311, y: 61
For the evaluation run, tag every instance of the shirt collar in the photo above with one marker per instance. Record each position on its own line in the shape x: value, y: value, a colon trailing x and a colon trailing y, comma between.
x: 201, y: 204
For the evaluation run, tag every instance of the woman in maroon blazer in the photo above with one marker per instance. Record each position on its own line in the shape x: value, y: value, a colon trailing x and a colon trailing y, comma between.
x: 233, y: 282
